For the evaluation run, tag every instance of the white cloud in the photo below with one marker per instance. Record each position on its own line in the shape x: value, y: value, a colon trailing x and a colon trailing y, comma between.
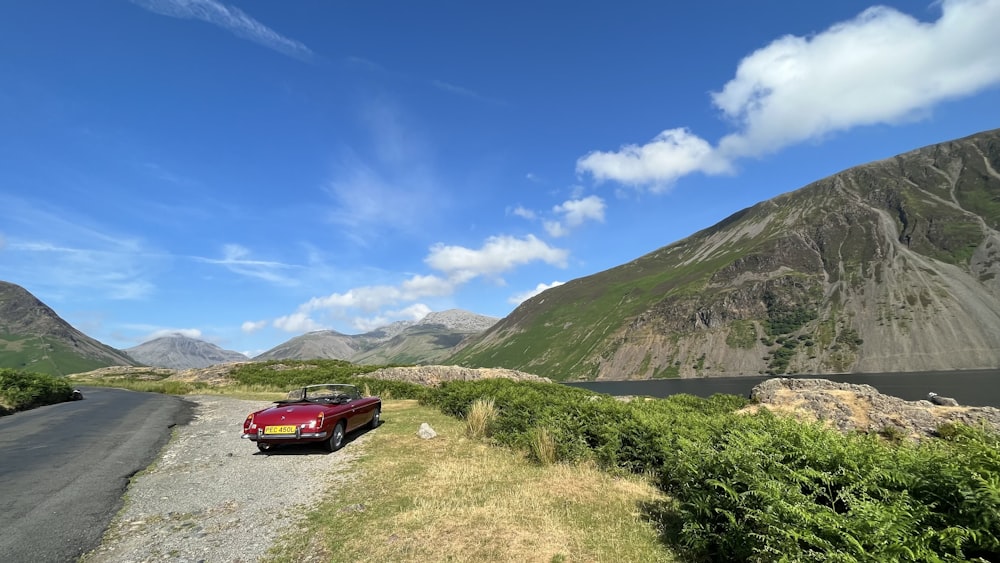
x: 498, y: 255
x: 522, y: 297
x: 250, y: 327
x: 575, y: 212
x: 373, y: 297
x: 297, y: 322
x: 236, y: 259
x: 229, y: 18
x: 188, y: 332
x: 670, y: 155
x: 524, y: 213
x: 882, y: 67
x: 555, y: 229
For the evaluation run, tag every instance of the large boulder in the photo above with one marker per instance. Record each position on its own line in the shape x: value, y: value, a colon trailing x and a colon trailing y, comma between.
x: 848, y: 407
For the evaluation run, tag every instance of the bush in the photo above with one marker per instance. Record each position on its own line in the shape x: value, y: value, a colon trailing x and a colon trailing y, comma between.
x: 21, y: 390
x: 283, y: 375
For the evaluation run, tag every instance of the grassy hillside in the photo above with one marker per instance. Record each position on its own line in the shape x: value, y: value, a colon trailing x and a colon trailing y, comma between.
x: 44, y: 355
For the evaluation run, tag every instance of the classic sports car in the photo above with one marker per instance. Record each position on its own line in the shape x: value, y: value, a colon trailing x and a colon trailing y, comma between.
x: 316, y: 413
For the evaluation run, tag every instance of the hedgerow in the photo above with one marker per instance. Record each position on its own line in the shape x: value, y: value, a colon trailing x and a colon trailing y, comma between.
x: 21, y: 390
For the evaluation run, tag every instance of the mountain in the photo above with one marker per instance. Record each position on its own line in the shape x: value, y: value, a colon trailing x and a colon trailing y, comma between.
x: 34, y: 338
x: 404, y: 342
x: 888, y: 266
x: 181, y: 352
x: 427, y: 341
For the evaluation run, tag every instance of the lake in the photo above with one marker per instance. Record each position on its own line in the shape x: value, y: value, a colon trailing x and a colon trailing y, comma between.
x: 969, y: 387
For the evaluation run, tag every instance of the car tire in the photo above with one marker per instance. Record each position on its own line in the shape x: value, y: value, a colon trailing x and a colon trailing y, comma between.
x: 336, y: 439
x: 264, y: 447
x: 376, y: 418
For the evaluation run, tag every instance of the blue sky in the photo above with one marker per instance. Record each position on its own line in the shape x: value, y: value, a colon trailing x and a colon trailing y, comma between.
x: 245, y: 172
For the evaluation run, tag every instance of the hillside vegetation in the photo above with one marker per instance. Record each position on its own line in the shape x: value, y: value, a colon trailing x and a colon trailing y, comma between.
x: 890, y: 266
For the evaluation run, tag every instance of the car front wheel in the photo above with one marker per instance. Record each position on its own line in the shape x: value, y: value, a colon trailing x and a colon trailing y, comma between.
x: 376, y: 416
x: 336, y: 439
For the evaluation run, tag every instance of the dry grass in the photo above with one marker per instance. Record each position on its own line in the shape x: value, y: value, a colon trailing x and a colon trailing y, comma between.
x: 543, y: 446
x: 481, y: 415
x: 457, y: 499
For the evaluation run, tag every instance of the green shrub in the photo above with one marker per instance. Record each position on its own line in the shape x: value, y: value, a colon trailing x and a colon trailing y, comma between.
x: 283, y: 375
x: 20, y: 390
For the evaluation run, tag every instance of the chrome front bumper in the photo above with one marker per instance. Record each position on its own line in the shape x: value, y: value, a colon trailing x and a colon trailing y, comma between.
x: 299, y: 434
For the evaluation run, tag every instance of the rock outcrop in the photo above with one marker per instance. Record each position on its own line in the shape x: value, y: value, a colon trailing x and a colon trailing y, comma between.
x: 848, y: 407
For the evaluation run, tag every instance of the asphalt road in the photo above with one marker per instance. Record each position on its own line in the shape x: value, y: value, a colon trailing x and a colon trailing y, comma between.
x: 64, y: 468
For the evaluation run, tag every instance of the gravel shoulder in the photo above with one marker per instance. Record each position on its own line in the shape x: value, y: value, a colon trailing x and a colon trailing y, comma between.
x: 211, y: 496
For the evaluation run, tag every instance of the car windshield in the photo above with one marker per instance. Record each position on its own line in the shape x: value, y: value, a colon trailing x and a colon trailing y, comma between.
x: 329, y: 392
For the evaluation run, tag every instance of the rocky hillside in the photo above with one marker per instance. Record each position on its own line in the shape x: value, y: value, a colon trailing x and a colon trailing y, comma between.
x: 181, y: 352
x: 889, y: 266
x: 34, y: 338
x: 405, y: 342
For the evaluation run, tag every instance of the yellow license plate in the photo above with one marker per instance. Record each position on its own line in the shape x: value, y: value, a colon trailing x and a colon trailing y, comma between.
x: 279, y: 430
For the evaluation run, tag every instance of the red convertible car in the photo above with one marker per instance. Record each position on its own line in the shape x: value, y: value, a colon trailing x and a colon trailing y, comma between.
x: 316, y: 413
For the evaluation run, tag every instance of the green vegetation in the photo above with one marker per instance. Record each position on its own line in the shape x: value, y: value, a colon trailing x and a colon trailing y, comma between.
x: 20, y: 390
x: 43, y: 355
x: 752, y: 487
x: 742, y: 334
x: 282, y: 375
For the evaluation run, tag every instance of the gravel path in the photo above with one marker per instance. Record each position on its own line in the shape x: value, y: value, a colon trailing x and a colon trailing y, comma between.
x: 212, y: 496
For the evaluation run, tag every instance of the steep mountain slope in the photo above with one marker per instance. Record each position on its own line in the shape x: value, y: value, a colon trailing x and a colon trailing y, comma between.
x: 889, y: 266
x: 34, y: 338
x: 405, y: 342
x: 181, y: 352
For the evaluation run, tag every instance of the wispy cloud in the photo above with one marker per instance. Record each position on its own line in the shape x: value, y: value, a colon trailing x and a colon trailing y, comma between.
x: 466, y: 92
x: 66, y: 256
x: 236, y: 259
x: 882, y: 67
x: 232, y: 19
x: 395, y: 167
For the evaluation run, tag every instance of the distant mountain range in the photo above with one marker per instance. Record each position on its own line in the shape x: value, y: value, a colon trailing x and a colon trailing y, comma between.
x: 181, y: 352
x: 889, y: 266
x: 34, y: 338
x: 428, y: 340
